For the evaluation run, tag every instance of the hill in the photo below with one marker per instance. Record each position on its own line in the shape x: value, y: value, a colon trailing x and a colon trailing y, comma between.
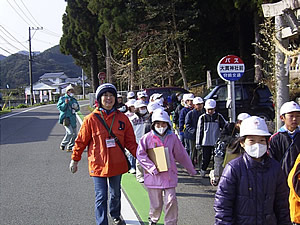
x: 14, y: 69
x: 2, y: 57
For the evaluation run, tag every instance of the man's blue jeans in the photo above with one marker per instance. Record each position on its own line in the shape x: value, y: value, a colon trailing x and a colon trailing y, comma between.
x: 101, y: 196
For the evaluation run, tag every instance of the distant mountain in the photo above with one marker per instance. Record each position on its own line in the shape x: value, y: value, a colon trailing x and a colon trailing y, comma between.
x: 2, y: 57
x: 27, y: 53
x: 14, y: 69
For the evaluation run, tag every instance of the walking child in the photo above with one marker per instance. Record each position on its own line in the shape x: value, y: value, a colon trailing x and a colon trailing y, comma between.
x: 161, y: 185
x: 208, y: 131
x: 285, y: 144
x: 141, y: 125
x: 252, y: 189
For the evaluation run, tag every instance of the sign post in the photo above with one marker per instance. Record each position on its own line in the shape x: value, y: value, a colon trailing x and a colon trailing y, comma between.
x: 231, y: 68
x: 101, y: 77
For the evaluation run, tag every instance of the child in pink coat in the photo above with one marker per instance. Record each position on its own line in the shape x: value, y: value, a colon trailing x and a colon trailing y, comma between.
x: 161, y: 185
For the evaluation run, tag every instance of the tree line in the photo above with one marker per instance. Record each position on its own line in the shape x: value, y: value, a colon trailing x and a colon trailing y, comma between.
x: 140, y: 43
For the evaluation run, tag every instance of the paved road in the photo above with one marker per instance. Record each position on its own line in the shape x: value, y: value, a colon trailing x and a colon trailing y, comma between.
x: 36, y: 186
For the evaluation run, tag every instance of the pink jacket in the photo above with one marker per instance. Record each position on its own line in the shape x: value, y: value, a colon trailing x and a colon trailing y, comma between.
x: 168, y: 179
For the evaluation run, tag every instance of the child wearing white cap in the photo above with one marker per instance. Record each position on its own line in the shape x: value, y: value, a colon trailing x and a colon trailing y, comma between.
x: 227, y: 147
x: 285, y: 144
x: 208, y: 131
x: 252, y: 189
x: 188, y: 106
x: 191, y: 121
x: 130, y: 95
x: 161, y: 185
x: 141, y: 125
x: 130, y: 107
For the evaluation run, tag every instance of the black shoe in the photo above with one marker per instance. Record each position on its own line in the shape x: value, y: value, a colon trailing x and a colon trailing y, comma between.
x: 62, y: 147
x: 119, y: 221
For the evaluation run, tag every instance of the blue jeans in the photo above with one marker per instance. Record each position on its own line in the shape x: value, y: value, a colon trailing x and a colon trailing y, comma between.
x: 70, y: 136
x: 101, y: 197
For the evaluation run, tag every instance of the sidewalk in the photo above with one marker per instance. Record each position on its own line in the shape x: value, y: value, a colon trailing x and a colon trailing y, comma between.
x: 85, y: 110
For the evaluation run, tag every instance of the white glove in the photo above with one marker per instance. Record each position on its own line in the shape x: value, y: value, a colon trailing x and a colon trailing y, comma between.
x: 73, y: 166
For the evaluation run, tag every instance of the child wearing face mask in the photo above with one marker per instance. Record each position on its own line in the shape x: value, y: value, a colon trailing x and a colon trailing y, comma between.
x: 161, y: 185
x: 141, y: 125
x: 252, y: 189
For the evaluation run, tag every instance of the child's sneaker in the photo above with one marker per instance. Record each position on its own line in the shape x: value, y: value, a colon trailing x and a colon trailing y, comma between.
x: 202, y: 173
x: 119, y: 221
x: 151, y: 222
x: 132, y: 171
x: 213, y: 180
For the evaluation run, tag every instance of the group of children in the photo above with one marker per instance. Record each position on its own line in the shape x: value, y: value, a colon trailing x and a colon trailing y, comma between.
x: 260, y: 183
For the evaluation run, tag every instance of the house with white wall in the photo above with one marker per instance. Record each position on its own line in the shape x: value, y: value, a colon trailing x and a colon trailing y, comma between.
x: 49, y: 84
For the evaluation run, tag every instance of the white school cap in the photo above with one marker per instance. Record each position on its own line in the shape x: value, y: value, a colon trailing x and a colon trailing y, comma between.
x: 254, y: 125
x: 289, y: 107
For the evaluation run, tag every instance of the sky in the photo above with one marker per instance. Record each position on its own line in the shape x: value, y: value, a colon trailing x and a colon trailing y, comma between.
x: 16, y: 16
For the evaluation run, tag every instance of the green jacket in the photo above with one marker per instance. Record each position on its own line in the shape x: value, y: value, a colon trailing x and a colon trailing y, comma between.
x: 68, y: 110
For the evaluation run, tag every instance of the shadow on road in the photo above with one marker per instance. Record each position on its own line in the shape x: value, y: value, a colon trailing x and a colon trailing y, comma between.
x: 25, y: 128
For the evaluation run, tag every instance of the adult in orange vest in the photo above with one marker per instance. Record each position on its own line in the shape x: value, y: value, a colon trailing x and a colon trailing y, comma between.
x: 106, y: 156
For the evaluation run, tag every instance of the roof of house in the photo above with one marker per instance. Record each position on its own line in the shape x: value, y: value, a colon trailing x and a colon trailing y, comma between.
x: 73, y: 79
x: 53, y: 75
x: 42, y: 86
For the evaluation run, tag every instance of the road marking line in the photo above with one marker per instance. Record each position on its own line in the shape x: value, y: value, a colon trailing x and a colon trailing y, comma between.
x: 127, y: 212
x: 14, y: 114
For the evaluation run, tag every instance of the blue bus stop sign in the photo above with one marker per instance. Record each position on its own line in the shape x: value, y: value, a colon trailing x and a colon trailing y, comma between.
x: 231, y: 68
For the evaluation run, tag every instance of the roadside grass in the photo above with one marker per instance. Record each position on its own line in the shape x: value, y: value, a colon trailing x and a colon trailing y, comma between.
x: 4, y: 111
x: 138, y: 196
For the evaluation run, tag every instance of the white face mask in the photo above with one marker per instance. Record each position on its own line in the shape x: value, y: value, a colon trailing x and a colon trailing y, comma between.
x: 143, y: 111
x: 161, y: 130
x: 71, y: 94
x: 256, y: 151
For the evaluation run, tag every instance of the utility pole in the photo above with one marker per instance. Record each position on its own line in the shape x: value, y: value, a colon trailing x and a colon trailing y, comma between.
x: 281, y: 75
x: 83, y: 85
x: 109, y: 78
x: 30, y: 63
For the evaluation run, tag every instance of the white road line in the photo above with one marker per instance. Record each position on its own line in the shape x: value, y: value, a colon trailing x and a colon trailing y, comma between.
x: 14, y: 114
x: 127, y: 212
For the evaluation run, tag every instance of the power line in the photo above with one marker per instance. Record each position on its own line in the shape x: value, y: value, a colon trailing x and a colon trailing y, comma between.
x: 6, y: 50
x: 12, y: 37
x: 43, y: 41
x: 45, y: 30
x: 9, y: 43
x: 23, y: 12
x: 49, y: 32
x: 30, y: 14
x: 18, y: 13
